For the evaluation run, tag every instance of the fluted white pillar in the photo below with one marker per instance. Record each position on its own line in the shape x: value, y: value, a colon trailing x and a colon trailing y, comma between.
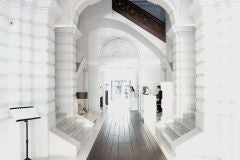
x: 94, y: 86
x: 66, y: 88
x: 184, y: 71
x: 217, y: 34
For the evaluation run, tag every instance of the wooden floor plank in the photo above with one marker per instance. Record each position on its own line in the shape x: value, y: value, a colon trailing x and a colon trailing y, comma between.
x: 124, y: 137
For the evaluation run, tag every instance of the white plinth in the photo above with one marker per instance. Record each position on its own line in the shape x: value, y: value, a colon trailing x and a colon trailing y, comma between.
x: 149, y: 110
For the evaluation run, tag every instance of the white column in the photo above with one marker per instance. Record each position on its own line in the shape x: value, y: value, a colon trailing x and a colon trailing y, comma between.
x: 217, y: 34
x: 93, y: 86
x: 66, y: 38
x: 232, y: 102
x: 42, y: 70
x: 85, y: 80
x: 184, y: 71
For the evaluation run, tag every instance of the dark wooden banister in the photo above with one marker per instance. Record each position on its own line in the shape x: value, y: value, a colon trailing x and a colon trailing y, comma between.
x: 140, y: 17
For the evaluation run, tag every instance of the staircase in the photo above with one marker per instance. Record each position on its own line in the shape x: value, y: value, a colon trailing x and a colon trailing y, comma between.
x: 176, y: 132
x: 79, y: 127
x: 140, y: 17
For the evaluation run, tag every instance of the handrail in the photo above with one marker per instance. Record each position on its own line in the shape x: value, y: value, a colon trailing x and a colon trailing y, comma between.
x: 140, y: 17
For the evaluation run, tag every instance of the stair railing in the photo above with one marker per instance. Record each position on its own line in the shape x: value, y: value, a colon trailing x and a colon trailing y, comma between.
x: 140, y: 17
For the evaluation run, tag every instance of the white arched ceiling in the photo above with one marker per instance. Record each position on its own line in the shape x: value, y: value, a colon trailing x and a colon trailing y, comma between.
x: 118, y: 47
x: 113, y: 23
x: 72, y: 9
x: 79, y: 6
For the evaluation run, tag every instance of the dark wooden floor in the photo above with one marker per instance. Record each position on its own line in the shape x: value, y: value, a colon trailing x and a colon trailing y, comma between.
x: 124, y: 137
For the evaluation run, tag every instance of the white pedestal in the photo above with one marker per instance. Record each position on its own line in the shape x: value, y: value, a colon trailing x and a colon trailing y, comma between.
x: 149, y: 110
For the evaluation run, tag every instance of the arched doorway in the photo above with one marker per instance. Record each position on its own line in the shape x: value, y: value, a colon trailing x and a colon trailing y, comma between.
x: 119, y: 70
x: 183, y: 71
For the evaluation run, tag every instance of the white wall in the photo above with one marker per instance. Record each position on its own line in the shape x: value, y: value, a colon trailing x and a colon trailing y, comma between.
x: 150, y: 76
x: 4, y: 60
x: 80, y: 81
x: 217, y: 46
x: 27, y: 77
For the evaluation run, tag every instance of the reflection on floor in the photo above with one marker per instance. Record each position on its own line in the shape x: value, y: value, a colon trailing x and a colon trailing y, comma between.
x: 124, y: 137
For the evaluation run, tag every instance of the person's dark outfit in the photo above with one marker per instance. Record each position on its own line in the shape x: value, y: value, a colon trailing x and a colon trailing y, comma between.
x: 159, y: 98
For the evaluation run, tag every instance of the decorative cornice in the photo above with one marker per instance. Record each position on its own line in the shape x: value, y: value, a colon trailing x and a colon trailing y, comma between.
x: 67, y: 30
x: 178, y: 29
x: 184, y: 28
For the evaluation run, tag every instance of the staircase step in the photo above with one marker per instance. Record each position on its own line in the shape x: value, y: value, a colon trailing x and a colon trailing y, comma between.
x: 191, y: 116
x: 91, y: 116
x: 78, y: 127
x: 60, y: 117
x: 163, y: 138
x: 60, y: 141
x: 72, y: 129
x: 186, y: 123
x: 167, y: 137
x: 65, y: 122
x: 171, y: 134
x: 64, y: 127
x: 177, y: 128
x: 188, y: 120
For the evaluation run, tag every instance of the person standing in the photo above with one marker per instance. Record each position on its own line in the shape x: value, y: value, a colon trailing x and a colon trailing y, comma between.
x: 159, y: 99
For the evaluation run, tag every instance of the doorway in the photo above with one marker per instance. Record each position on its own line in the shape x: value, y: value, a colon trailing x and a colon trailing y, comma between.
x: 120, y: 89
